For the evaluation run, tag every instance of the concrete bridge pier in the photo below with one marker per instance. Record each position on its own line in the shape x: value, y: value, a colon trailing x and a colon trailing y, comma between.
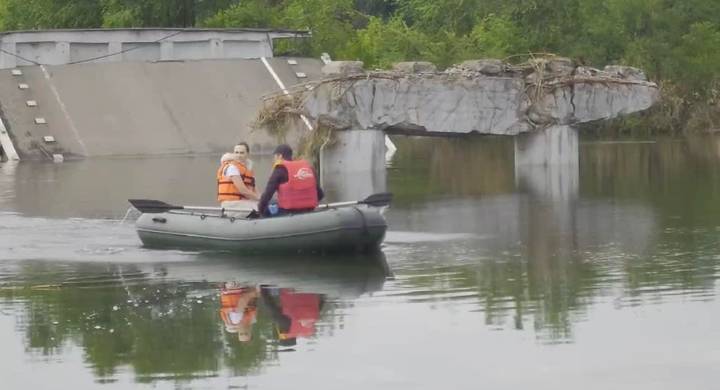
x: 547, y: 162
x: 353, y: 167
x: 556, y: 145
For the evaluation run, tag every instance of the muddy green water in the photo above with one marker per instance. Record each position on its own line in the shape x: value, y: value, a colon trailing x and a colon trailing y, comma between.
x: 500, y: 279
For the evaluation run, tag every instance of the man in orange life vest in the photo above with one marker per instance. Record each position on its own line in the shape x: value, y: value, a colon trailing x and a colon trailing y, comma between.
x: 295, y: 182
x: 235, y: 179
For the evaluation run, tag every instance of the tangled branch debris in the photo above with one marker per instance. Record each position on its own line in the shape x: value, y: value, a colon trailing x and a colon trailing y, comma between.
x: 277, y: 114
x: 281, y: 112
x: 312, y: 142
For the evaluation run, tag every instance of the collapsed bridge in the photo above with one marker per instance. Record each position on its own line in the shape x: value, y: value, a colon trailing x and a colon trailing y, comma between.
x: 349, y: 111
x: 479, y: 96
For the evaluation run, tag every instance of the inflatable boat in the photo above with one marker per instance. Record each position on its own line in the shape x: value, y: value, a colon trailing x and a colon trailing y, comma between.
x: 357, y: 227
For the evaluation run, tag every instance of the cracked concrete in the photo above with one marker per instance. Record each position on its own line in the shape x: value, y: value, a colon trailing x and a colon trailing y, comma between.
x: 482, y: 96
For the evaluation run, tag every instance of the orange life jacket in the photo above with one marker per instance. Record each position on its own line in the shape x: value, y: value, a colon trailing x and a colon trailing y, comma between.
x: 226, y: 188
x: 300, y: 191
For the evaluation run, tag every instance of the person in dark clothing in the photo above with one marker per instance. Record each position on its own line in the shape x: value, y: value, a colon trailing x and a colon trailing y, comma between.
x: 295, y: 183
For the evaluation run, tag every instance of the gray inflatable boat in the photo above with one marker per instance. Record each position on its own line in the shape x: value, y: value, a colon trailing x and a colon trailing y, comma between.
x: 356, y: 228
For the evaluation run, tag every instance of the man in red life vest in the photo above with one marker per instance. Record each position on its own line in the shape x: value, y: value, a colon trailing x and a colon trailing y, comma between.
x: 295, y: 182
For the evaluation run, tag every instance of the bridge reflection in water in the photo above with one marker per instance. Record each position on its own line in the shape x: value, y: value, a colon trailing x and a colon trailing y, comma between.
x: 540, y: 245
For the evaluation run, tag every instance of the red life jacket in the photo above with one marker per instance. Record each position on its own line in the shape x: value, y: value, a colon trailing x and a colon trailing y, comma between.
x: 300, y: 191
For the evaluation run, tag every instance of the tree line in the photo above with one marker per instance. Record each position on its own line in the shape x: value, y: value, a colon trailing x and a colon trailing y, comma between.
x: 675, y: 42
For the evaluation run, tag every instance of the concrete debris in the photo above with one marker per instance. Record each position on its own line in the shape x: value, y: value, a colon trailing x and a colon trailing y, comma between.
x: 490, y: 67
x: 561, y: 66
x: 486, y: 96
x: 415, y: 67
x: 626, y: 72
x: 586, y: 71
x: 334, y: 68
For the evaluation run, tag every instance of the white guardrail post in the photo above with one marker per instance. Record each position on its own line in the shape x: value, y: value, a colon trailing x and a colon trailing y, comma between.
x: 6, y: 143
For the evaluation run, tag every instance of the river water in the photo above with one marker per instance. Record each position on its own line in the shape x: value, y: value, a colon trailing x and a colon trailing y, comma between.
x: 604, y: 278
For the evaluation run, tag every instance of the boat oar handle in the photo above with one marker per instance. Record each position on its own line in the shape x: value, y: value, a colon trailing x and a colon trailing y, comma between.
x: 338, y: 204
x: 376, y: 200
x: 157, y: 206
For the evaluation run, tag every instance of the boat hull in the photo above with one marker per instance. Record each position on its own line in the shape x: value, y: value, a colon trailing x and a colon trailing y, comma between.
x: 343, y: 229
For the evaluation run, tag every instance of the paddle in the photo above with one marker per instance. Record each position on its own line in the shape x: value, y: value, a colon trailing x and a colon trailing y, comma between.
x: 157, y: 206
x: 151, y: 206
x: 376, y: 200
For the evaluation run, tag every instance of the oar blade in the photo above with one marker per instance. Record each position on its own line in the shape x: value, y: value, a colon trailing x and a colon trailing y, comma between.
x: 152, y: 206
x: 378, y: 200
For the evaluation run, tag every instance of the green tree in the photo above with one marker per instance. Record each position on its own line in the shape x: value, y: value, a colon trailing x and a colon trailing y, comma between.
x: 332, y: 24
x: 381, y: 44
x: 252, y: 13
x: 381, y: 8
x: 45, y: 14
x: 698, y: 57
x: 497, y: 37
x: 456, y: 16
x: 149, y: 13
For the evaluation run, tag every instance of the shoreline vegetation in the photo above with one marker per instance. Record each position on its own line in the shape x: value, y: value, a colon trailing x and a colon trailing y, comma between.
x: 675, y: 43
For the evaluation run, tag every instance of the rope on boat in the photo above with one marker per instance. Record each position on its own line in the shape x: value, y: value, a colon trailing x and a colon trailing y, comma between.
x: 129, y: 210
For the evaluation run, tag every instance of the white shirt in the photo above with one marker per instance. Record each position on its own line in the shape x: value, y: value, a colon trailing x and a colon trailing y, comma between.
x: 231, y: 170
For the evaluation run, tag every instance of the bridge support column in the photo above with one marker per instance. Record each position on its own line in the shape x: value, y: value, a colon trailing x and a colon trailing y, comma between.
x: 354, y: 166
x: 556, y: 145
x: 546, y: 162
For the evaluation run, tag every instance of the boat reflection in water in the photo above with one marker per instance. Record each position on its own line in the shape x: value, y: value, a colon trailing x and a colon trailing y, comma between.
x: 292, y: 314
x: 215, y: 317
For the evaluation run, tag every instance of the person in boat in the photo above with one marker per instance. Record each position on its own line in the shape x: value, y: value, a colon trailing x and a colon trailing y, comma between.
x: 236, y: 180
x: 294, y: 181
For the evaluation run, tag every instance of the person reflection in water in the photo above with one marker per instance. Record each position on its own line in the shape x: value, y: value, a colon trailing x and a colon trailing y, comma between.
x: 293, y: 313
x: 238, y: 309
